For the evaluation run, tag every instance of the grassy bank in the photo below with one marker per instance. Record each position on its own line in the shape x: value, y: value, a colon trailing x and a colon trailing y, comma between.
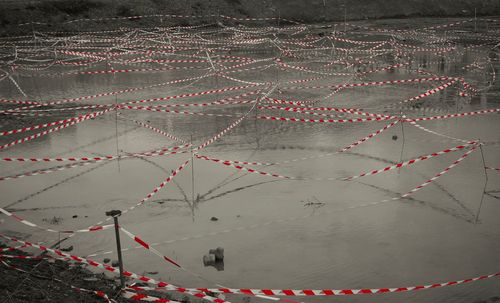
x: 54, y: 14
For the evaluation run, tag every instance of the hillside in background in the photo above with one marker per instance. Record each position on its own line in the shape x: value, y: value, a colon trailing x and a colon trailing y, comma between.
x: 55, y: 12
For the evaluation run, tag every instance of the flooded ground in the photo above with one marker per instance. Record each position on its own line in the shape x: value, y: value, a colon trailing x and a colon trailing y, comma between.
x: 278, y: 233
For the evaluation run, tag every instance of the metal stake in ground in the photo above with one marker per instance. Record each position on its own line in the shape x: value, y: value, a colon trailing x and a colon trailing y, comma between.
x: 115, y: 214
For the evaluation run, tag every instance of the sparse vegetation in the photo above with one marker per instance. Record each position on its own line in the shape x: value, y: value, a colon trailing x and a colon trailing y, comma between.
x: 57, y: 12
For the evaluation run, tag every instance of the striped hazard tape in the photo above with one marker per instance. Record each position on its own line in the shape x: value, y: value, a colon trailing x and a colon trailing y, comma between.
x: 266, y: 292
x: 173, y: 111
x: 47, y: 170
x: 152, y: 193
x: 106, y: 94
x: 254, y: 171
x: 149, y: 247
x: 412, y: 161
x: 225, y: 101
x: 437, y: 134
x: 156, y: 130
x: 304, y: 120
x: 21, y: 257
x: 306, y: 110
x: 44, y: 125
x: 62, y: 126
x: 118, y: 71
x: 144, y: 297
x: 374, y: 83
x: 370, y: 204
x: 364, y: 139
x: 474, y: 113
x: 492, y: 168
x: 190, y: 95
x: 163, y: 151
x: 429, y: 92
x: 31, y: 224
x: 447, y: 169
x: 115, y: 270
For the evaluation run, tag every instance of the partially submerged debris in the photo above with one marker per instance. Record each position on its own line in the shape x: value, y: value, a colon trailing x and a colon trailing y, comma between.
x: 215, y: 258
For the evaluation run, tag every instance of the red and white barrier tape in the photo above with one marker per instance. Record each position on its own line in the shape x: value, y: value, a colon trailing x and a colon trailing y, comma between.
x: 31, y: 224
x: 364, y: 139
x: 149, y: 247
x: 46, y: 171
x: 479, y: 112
x: 266, y: 292
x: 46, y: 132
x: 106, y: 94
x: 144, y: 297
x: 281, y: 101
x: 11, y: 248
x: 254, y: 171
x: 436, y: 133
x: 159, y: 131
x: 304, y: 120
x: 358, y: 142
x: 118, y: 71
x: 374, y: 83
x: 232, y: 125
x: 19, y: 102
x: 241, y: 228
x: 190, y: 95
x: 21, y: 257
x: 113, y: 269
x: 173, y: 111
x: 335, y: 109
x: 492, y: 168
x: 225, y: 101
x: 383, y: 69
x: 429, y: 92
x: 412, y: 161
x: 154, y: 192
x: 35, y: 127
x: 455, y: 163
x: 160, y: 152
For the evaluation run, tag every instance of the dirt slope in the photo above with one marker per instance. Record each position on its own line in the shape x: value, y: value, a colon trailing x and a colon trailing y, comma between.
x: 56, y: 12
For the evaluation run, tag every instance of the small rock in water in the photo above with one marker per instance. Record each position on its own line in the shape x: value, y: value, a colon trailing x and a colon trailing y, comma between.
x: 70, y: 248
x: 75, y: 216
x: 215, y: 258
x: 106, y: 260
x: 208, y: 259
x: 218, y: 253
x: 394, y: 137
x: 214, y: 219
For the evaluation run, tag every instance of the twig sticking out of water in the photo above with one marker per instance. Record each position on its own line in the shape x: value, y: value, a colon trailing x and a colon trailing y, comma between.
x: 403, y: 140
x: 485, y: 184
